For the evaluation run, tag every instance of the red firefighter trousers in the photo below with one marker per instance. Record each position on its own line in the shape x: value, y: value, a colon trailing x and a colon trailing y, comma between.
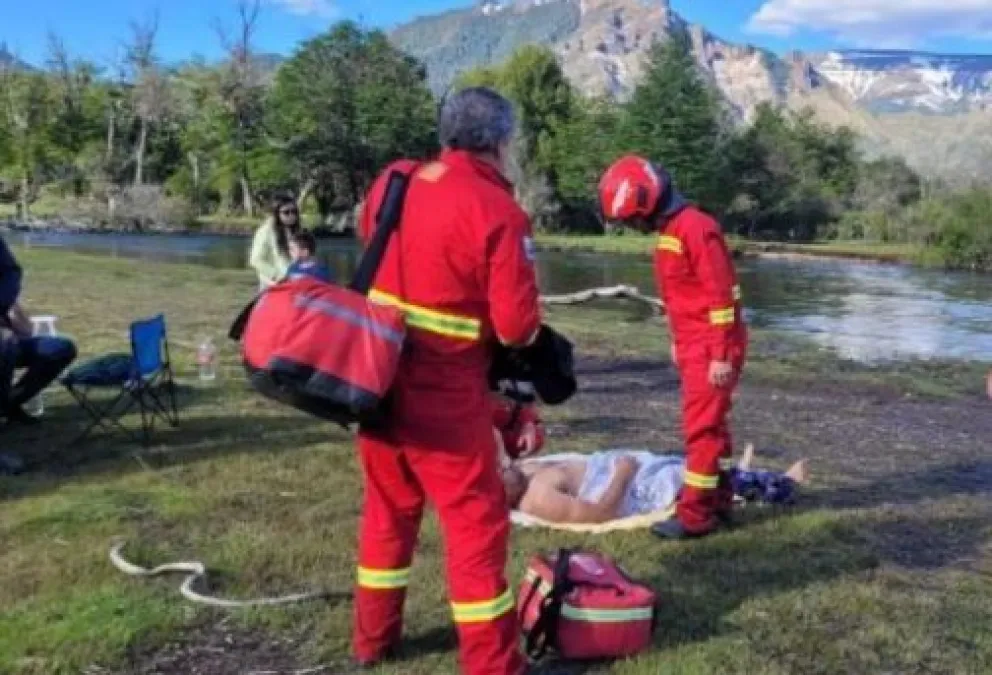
x: 706, y: 491
x: 466, y: 488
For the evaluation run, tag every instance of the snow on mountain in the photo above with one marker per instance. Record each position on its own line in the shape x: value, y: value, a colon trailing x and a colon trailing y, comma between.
x: 900, y: 81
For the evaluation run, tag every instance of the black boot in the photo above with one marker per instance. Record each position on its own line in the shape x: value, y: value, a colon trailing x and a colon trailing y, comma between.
x: 17, y: 415
x: 391, y: 654
x: 10, y: 465
x: 674, y: 530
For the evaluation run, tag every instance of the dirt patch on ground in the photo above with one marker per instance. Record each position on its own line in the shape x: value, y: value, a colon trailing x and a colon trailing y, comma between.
x: 849, y: 432
x: 868, y: 448
x: 219, y: 648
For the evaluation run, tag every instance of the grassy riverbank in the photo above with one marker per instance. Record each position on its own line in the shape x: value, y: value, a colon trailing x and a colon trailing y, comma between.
x: 630, y: 243
x: 885, y: 568
x: 641, y: 245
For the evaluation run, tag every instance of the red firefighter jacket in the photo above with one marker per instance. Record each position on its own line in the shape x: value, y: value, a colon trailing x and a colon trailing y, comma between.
x: 461, y: 266
x: 698, y: 284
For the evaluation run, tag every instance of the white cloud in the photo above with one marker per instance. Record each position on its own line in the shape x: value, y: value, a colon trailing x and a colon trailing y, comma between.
x: 325, y: 9
x: 877, y: 22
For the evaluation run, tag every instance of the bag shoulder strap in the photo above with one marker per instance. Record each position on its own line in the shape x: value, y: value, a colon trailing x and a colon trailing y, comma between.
x: 387, y: 220
x: 237, y: 328
x: 544, y: 633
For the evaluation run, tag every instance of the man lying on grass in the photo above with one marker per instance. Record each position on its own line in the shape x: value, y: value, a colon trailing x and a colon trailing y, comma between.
x: 613, y: 484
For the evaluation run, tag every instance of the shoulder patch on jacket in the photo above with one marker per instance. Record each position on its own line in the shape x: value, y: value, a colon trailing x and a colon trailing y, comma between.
x: 530, y: 249
x: 433, y: 172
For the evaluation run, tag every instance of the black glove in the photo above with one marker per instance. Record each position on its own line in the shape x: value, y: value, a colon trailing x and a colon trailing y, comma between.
x: 548, y: 363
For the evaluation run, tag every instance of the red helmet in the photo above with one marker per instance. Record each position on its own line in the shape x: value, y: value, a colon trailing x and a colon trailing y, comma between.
x: 632, y: 187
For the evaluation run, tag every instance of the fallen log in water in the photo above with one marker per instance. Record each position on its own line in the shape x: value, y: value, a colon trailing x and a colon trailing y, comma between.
x: 610, y: 293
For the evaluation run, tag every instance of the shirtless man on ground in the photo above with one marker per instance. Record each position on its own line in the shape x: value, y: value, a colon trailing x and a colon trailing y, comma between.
x: 548, y: 490
x: 630, y: 484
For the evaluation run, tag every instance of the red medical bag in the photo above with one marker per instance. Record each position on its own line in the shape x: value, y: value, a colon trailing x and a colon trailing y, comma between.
x: 583, y: 606
x: 325, y: 349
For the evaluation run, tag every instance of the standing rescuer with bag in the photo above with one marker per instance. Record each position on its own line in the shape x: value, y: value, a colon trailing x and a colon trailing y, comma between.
x: 460, y: 265
x: 698, y: 284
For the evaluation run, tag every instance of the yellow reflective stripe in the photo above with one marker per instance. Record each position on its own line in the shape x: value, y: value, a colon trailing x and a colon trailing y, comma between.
x: 370, y: 578
x: 669, y: 243
x: 488, y: 610
x: 606, y: 615
x: 701, y: 481
x: 431, y: 320
x: 721, y: 317
x: 736, y: 292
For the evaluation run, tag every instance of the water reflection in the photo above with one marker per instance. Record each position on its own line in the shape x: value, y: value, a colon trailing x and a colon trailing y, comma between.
x: 870, y: 313
x: 865, y: 312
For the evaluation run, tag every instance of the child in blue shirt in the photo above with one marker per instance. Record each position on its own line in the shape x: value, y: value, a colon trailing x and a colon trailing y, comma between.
x: 302, y: 247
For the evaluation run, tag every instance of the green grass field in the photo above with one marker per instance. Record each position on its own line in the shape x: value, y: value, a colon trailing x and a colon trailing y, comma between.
x: 885, y: 567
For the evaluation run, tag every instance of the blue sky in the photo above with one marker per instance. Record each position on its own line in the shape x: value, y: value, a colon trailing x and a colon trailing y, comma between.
x: 96, y: 28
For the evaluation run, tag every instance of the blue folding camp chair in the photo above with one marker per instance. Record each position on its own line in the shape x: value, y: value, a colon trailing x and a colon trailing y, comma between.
x: 144, y: 377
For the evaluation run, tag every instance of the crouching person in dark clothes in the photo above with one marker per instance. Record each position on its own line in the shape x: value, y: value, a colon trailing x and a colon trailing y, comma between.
x: 42, y: 358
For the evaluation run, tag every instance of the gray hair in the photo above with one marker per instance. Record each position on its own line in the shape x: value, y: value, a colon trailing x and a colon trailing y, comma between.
x: 476, y: 119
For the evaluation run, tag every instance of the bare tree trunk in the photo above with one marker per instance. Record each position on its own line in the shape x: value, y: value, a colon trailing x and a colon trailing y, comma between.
x: 25, y: 196
x: 247, y: 203
x: 241, y: 87
x: 194, y: 161
x: 111, y: 131
x: 324, y: 202
x: 149, y: 87
x: 305, y: 191
x: 139, y: 155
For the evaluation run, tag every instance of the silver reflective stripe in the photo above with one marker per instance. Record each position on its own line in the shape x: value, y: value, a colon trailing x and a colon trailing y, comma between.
x: 350, y: 316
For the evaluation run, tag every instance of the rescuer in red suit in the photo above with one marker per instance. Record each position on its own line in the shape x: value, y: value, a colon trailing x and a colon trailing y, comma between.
x: 461, y: 266
x: 698, y: 284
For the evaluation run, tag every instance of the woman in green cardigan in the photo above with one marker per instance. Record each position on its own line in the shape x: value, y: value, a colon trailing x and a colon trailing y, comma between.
x: 270, y: 248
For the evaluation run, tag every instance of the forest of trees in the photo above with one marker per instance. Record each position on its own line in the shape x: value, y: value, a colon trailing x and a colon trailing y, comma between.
x: 145, y: 143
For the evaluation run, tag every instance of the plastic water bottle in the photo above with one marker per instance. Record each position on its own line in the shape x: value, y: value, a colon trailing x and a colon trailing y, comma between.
x: 206, y: 360
x: 41, y: 326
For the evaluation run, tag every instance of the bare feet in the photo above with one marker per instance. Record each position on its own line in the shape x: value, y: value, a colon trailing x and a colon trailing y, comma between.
x: 799, y: 472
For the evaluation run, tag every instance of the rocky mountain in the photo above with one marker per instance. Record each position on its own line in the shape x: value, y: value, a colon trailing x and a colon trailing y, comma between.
x: 901, y: 81
x: 914, y: 104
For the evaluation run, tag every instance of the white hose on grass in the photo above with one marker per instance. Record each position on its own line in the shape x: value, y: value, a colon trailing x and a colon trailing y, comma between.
x: 196, y: 571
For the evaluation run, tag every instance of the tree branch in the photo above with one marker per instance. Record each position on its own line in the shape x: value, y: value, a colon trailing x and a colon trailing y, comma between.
x: 591, y: 294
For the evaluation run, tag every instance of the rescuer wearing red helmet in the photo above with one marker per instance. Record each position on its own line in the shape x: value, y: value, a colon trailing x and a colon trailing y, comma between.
x: 461, y: 266
x: 698, y: 284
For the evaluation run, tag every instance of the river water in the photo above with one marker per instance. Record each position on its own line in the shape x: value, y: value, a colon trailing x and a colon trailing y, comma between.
x: 863, y: 311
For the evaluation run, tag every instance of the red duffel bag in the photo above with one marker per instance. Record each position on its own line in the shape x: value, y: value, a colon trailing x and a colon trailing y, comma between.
x: 583, y: 606
x: 325, y: 349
